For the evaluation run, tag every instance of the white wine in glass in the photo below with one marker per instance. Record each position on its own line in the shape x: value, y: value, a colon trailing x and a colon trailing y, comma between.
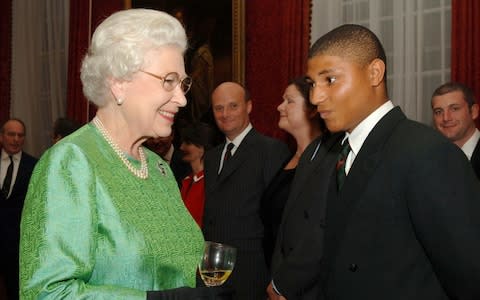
x: 217, y: 263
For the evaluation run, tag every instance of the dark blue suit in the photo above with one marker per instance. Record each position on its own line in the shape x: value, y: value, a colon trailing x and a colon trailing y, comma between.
x: 232, y: 207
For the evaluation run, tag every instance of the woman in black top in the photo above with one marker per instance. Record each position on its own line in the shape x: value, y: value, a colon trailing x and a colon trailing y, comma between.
x: 300, y: 119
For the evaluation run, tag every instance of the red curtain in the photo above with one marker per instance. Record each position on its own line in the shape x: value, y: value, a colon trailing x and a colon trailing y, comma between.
x: 465, y: 63
x: 5, y: 58
x: 81, y: 29
x: 277, y: 41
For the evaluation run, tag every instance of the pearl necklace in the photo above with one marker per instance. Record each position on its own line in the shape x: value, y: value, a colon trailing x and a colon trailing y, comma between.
x: 140, y: 173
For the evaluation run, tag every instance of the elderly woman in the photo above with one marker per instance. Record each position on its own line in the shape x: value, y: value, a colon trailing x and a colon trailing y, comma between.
x: 103, y: 218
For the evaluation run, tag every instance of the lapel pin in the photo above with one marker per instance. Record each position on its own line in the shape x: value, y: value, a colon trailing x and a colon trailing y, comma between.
x: 162, y: 168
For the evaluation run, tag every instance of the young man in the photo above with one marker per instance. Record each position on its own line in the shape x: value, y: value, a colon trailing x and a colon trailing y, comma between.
x: 454, y: 113
x: 237, y: 173
x: 403, y: 222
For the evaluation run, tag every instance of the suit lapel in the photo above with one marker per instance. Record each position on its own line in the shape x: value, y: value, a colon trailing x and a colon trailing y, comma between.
x: 369, y: 157
x: 305, y: 178
x: 475, y: 159
x: 340, y: 204
x: 241, y: 154
x: 211, y: 168
x: 20, y: 175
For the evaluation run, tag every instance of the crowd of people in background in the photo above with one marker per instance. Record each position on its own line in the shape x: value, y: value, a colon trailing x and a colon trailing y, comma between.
x: 363, y: 204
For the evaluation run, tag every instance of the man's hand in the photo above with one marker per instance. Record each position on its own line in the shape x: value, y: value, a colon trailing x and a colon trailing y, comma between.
x: 272, y: 295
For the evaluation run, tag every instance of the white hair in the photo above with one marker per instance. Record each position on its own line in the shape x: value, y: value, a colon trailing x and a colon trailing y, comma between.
x: 119, y: 45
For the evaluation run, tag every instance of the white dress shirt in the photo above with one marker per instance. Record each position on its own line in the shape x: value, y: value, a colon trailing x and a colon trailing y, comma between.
x: 470, y: 145
x: 5, y: 162
x: 359, y: 134
x: 236, y: 142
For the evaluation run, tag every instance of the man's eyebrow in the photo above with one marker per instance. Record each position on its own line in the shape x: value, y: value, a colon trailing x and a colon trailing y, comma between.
x: 326, y: 71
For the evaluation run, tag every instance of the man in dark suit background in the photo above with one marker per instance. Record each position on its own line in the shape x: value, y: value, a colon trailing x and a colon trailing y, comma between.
x: 234, y: 183
x: 12, y: 196
x: 403, y: 208
x: 454, y: 113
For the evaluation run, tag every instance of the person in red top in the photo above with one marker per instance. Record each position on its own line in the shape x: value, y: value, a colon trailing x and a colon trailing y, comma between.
x: 196, y: 140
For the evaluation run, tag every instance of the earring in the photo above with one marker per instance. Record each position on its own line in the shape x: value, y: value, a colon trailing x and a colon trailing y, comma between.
x: 119, y: 101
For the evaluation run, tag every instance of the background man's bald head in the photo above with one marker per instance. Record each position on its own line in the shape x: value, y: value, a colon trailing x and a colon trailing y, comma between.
x: 232, y: 87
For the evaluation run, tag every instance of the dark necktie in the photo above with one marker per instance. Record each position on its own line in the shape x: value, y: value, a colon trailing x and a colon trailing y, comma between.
x: 8, y: 178
x: 228, y: 152
x: 342, y: 157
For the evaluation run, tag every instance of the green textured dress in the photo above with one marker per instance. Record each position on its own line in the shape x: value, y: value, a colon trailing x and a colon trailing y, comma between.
x: 92, y: 230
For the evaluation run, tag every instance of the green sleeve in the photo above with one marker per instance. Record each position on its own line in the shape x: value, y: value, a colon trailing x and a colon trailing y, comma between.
x: 59, y: 231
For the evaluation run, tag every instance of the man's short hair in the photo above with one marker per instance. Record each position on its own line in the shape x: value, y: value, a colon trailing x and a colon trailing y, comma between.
x: 450, y: 87
x: 352, y: 41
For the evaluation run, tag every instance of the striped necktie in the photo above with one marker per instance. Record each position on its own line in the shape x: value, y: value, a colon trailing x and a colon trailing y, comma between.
x: 342, y: 157
x: 228, y: 152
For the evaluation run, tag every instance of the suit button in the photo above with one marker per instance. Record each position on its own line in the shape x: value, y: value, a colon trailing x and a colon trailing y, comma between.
x: 353, y: 267
x: 305, y: 214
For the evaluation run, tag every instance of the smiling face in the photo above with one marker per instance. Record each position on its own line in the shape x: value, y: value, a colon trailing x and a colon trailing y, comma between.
x: 293, y: 110
x: 148, y: 108
x: 230, y: 109
x: 453, y: 118
x: 344, y: 91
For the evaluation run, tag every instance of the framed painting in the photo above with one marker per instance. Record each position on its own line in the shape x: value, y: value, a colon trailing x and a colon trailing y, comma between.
x: 216, y: 38
x: 221, y: 22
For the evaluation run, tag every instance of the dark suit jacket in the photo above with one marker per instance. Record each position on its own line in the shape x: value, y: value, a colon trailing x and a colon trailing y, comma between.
x: 299, y: 246
x: 475, y: 160
x: 232, y: 207
x: 10, y: 213
x: 406, y: 224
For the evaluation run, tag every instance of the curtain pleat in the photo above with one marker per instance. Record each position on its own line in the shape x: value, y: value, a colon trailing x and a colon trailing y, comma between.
x: 82, y: 25
x: 78, y: 44
x: 277, y: 42
x: 5, y: 58
x: 465, y: 63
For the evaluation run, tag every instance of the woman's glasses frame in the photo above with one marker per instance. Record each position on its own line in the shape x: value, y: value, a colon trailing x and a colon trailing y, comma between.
x: 171, y: 80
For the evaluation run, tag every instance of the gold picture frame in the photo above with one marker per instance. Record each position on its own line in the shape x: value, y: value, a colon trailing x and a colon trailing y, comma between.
x: 237, y: 35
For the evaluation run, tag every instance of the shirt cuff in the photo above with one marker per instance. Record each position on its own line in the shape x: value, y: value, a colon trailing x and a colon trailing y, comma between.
x: 275, y: 289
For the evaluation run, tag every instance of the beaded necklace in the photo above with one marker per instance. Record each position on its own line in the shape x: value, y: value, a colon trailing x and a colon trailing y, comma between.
x: 140, y: 173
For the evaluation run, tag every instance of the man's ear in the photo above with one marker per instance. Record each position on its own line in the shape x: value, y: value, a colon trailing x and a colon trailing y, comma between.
x: 376, y: 71
x: 249, y: 106
x: 474, y: 111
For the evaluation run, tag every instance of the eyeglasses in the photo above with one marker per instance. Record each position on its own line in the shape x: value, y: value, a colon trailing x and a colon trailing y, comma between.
x: 171, y: 80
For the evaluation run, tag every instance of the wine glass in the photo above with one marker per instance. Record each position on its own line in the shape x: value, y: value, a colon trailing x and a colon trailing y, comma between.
x: 217, y: 263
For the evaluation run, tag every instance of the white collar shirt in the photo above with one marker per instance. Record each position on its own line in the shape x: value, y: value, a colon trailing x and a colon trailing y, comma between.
x: 5, y: 162
x: 360, y: 133
x: 236, y: 142
x: 470, y: 145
